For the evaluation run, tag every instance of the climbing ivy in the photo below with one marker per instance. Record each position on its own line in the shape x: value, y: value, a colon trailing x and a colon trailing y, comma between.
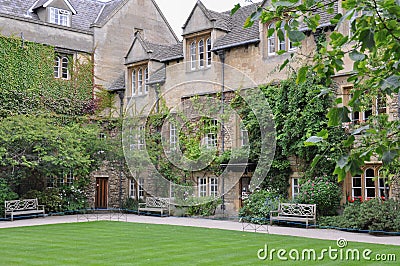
x: 27, y: 83
x: 298, y: 114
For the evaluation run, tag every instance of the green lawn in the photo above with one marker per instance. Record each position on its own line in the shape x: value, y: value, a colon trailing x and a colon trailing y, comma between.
x: 120, y: 243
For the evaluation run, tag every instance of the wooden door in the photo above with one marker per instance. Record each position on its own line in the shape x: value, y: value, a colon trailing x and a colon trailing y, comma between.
x: 101, y: 193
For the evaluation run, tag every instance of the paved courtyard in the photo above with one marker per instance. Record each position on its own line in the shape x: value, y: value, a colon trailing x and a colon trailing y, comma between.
x: 328, y: 234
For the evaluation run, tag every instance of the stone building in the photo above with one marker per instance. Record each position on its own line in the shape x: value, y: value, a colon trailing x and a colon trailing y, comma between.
x: 100, y: 31
x: 136, y: 54
x: 216, y: 52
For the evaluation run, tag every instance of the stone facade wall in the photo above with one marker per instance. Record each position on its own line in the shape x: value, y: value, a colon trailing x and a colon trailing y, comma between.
x: 111, y: 171
x: 113, y: 40
x: 53, y: 35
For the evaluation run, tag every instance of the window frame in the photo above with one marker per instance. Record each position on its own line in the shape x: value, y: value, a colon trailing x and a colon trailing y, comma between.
x: 132, y: 188
x: 244, y: 136
x: 173, y: 137
x: 271, y: 41
x: 61, y: 67
x: 364, y: 187
x: 201, y: 52
x: 208, y: 52
x: 202, y: 186
x: 295, y: 187
x: 213, y: 186
x: 140, y: 188
x: 146, y: 80
x: 211, y: 137
x: 57, y: 67
x: 140, y: 81
x: 193, y: 55
x: 59, y: 16
x: 133, y: 82
x: 141, y: 138
x: 64, y: 67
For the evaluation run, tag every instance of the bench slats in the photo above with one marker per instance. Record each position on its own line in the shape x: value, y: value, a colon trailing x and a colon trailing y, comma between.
x: 294, y: 212
x: 154, y: 204
x: 20, y: 207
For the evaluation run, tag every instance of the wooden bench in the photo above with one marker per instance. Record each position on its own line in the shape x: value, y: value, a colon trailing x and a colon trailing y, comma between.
x: 152, y: 204
x: 21, y: 207
x: 294, y: 212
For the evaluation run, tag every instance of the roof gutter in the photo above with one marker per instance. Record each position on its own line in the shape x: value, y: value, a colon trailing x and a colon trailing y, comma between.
x: 171, y: 58
x: 215, y: 49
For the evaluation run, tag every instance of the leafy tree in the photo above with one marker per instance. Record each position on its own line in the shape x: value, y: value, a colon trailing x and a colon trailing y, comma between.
x: 34, y: 147
x: 374, y: 48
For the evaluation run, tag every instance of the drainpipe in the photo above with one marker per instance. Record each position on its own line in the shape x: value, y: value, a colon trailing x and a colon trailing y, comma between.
x: 221, y: 54
x: 121, y: 94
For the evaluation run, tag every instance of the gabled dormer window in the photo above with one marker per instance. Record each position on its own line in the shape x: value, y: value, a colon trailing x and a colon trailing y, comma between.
x: 209, y: 54
x: 139, y: 78
x: 59, y: 16
x: 199, y: 52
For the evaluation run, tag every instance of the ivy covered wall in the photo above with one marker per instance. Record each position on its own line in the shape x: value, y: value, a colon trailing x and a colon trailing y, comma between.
x: 27, y: 83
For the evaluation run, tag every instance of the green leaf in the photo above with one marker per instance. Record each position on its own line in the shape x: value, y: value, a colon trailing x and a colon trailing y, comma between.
x: 341, y: 173
x: 360, y: 130
x: 367, y: 39
x: 315, y: 161
x: 338, y: 115
x: 296, y: 36
x: 349, y: 142
x: 344, y: 17
x: 338, y: 101
x: 392, y: 82
x: 248, y: 23
x: 284, y: 3
x: 342, y: 162
x: 283, y: 65
x: 356, y: 56
x: 324, y: 92
x: 235, y: 9
x: 389, y: 156
x: 302, y: 75
x: 311, y: 141
x: 324, y: 133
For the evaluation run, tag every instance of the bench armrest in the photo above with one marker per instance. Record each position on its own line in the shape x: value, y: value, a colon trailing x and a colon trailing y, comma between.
x: 142, y: 204
x: 273, y: 212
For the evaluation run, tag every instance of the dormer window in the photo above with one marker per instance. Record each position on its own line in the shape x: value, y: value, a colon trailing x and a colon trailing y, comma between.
x: 60, y: 16
x: 199, y: 52
x: 139, y: 78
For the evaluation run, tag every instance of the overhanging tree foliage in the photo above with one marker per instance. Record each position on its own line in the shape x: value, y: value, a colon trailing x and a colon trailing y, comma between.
x: 374, y: 47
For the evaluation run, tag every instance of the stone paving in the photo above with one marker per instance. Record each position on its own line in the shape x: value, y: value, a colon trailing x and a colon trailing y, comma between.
x: 328, y: 234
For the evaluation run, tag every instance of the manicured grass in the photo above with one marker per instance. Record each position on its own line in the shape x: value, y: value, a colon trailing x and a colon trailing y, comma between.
x: 120, y: 243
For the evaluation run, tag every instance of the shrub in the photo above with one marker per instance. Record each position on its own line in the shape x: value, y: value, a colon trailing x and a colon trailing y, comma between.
x: 131, y: 204
x: 202, y: 206
x: 5, y: 194
x: 50, y: 198
x: 259, y: 204
x: 321, y: 191
x: 373, y: 215
x: 68, y: 198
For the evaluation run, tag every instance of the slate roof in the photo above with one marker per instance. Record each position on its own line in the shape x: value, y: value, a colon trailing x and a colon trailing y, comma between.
x: 88, y: 11
x: 157, y: 76
x: 118, y: 84
x: 164, y: 53
x: 237, y: 34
